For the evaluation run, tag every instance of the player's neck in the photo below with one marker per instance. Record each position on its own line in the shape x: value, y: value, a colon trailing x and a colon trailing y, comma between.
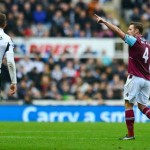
x: 138, y: 35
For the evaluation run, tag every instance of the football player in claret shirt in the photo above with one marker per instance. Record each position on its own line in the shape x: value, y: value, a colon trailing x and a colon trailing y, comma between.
x: 137, y: 86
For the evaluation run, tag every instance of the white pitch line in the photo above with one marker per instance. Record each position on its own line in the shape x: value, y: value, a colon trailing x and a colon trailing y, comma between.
x: 56, y: 138
x: 46, y: 131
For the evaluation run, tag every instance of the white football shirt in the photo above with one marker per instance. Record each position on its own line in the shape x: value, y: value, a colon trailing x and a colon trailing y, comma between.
x: 6, y: 49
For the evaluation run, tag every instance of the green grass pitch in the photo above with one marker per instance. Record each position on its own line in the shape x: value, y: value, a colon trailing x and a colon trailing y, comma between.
x: 71, y: 136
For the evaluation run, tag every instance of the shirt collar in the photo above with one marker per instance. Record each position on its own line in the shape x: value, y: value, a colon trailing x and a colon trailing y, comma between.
x: 1, y: 30
x: 139, y: 35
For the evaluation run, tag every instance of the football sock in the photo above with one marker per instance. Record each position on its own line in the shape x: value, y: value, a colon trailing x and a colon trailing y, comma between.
x: 129, y: 117
x: 146, y: 111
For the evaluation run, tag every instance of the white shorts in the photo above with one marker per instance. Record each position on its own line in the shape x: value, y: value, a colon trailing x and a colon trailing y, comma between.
x: 137, y: 89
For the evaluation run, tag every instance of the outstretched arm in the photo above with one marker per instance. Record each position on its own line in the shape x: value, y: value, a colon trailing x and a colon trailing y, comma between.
x: 110, y: 26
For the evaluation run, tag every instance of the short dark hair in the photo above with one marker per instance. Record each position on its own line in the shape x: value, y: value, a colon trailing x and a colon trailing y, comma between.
x: 2, y: 20
x: 138, y: 25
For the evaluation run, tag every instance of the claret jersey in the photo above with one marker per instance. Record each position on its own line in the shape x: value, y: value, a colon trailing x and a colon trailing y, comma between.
x: 139, y: 56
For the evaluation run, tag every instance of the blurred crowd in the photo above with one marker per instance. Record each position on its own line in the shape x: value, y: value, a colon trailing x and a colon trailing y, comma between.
x: 67, y: 79
x: 68, y: 18
x: 55, y: 18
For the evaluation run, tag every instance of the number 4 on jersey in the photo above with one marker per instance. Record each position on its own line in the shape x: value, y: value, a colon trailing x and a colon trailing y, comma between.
x: 145, y: 55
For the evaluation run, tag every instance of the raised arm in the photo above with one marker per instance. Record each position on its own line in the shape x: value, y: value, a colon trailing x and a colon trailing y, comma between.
x: 110, y: 26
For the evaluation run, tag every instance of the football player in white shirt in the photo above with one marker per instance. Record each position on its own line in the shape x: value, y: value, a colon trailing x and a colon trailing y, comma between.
x: 6, y: 49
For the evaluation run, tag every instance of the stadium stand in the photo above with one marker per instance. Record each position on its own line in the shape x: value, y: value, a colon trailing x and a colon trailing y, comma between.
x: 60, y: 18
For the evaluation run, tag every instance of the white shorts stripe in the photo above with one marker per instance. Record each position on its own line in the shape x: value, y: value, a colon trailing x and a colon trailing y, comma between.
x: 147, y: 112
x: 131, y: 118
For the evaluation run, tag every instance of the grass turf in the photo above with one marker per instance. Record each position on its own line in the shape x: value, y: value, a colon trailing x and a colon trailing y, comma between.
x: 71, y: 136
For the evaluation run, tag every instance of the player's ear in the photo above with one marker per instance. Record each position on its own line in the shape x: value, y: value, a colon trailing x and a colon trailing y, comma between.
x: 136, y: 31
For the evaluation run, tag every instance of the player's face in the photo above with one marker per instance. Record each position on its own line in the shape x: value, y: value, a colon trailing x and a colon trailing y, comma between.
x: 131, y: 30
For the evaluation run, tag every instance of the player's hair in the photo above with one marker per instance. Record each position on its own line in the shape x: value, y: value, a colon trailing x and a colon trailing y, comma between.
x: 138, y: 25
x: 3, y: 20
